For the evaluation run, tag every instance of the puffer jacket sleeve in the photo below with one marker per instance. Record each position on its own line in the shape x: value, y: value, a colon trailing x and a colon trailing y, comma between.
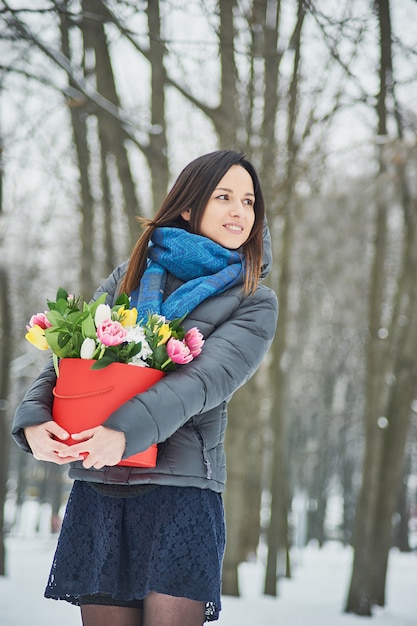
x: 36, y: 405
x: 231, y: 355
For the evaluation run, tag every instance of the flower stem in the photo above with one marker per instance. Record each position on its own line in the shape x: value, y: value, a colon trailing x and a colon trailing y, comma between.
x: 55, y: 361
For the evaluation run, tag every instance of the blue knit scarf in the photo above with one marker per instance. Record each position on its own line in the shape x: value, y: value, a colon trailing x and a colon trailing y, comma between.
x: 205, y: 267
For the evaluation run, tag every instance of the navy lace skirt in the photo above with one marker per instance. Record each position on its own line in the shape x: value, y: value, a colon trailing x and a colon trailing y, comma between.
x: 170, y: 540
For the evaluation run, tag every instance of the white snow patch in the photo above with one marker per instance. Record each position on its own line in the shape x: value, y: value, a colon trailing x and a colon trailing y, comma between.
x: 313, y: 597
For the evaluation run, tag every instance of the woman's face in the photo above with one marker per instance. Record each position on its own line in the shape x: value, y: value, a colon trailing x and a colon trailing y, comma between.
x: 229, y: 214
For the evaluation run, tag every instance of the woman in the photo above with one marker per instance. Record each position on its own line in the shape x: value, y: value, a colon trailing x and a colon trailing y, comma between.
x: 144, y: 547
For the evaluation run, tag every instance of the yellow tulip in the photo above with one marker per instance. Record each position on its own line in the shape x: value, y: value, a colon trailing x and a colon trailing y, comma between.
x: 165, y: 333
x: 128, y: 316
x: 36, y: 336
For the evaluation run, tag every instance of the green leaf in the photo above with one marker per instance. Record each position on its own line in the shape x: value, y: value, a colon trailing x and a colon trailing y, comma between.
x: 61, y: 294
x: 77, y: 340
x: 55, y: 318
x: 63, y: 339
x: 93, y: 306
x: 123, y: 300
x: 61, y: 306
x: 52, y: 337
x: 159, y: 356
x: 134, y: 348
x: 179, y: 333
x: 88, y: 327
x: 75, y: 318
x: 175, y: 323
x: 102, y: 363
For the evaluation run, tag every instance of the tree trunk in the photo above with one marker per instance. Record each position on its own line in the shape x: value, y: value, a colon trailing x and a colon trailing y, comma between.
x: 5, y: 360
x: 253, y: 460
x: 157, y: 155
x: 359, y: 600
x: 244, y: 450
x: 347, y: 471
x: 78, y: 114
x: 109, y: 129
x: 277, y: 534
x: 398, y: 414
x: 392, y: 355
x: 234, y: 493
x: 227, y: 112
x: 109, y: 248
x: 401, y: 539
x: 278, y: 562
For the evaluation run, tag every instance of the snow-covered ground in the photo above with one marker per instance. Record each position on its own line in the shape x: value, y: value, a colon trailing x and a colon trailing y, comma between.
x: 314, y: 596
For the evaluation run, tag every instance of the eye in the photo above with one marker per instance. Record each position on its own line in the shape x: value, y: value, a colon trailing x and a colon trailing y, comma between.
x: 223, y: 196
x: 249, y: 201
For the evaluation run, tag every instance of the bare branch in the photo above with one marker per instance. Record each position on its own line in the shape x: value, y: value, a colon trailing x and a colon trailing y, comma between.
x: 78, y: 79
x: 209, y: 111
x: 322, y: 21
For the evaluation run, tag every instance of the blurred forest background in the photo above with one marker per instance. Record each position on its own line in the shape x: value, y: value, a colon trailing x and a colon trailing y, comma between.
x: 101, y: 105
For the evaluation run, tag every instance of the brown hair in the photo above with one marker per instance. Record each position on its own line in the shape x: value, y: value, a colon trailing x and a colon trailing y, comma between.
x: 192, y: 190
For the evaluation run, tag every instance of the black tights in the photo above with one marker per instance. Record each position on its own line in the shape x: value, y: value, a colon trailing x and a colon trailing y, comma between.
x: 158, y: 610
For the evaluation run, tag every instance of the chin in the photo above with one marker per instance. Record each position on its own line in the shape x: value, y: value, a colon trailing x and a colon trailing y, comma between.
x: 229, y: 245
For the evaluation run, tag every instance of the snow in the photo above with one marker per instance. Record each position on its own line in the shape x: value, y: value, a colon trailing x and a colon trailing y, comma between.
x: 313, y: 597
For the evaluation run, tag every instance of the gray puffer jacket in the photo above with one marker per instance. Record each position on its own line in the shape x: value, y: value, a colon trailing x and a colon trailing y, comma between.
x: 185, y: 412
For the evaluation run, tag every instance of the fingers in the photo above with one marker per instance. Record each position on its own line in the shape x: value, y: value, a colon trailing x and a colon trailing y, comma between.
x: 85, y: 434
x: 44, y: 446
x: 90, y: 462
x: 101, y: 447
x: 55, y: 452
x: 57, y: 458
x: 60, y: 456
x: 56, y: 431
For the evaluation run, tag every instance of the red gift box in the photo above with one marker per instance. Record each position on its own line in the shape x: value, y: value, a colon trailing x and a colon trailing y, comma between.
x: 85, y: 398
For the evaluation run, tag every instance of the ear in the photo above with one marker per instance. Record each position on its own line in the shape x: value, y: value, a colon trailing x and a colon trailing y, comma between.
x: 186, y: 215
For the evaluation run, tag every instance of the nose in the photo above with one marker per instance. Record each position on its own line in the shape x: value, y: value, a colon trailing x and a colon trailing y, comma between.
x: 237, y: 208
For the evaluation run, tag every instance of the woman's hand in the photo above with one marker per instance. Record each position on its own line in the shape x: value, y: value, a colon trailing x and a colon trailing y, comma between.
x: 44, y: 446
x: 99, y: 446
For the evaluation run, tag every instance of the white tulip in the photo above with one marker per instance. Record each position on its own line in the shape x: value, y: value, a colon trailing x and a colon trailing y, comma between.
x: 103, y: 313
x: 88, y: 347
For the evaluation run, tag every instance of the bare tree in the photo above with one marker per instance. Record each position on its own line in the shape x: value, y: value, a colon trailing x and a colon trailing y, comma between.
x: 91, y: 93
x: 278, y: 547
x: 5, y: 360
x: 391, y: 357
x: 245, y: 443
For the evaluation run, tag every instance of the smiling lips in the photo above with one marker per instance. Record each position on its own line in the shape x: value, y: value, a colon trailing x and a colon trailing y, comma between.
x: 233, y: 228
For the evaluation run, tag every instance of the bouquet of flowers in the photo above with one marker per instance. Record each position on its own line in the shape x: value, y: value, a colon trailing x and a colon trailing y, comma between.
x: 105, y: 334
x: 95, y: 344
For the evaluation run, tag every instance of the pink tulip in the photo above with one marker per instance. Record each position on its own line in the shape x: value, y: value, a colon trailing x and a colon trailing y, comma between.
x: 111, y: 333
x: 39, y: 319
x: 194, y: 340
x: 178, y: 351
